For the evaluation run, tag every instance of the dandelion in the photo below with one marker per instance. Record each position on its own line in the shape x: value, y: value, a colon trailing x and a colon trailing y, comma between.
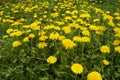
x: 9, y: 30
x: 93, y: 27
x: 31, y: 35
x: 42, y: 33
x: 105, y: 49
x: 116, y: 42
x: 77, y: 39
x: 61, y: 37
x: 54, y: 15
x: 67, y: 29
x: 51, y: 59
x: 77, y: 68
x: 5, y: 36
x: 42, y: 45
x: 96, y: 20
x: 67, y: 43
x: 105, y: 62
x: 26, y: 39
x: 117, y: 48
x: 85, y: 39
x: 111, y: 23
x: 16, y: 43
x: 54, y: 35
x: 35, y: 15
x: 43, y: 38
x: 99, y: 32
x: 86, y: 32
x: 94, y: 76
x: 18, y: 33
x: 86, y: 15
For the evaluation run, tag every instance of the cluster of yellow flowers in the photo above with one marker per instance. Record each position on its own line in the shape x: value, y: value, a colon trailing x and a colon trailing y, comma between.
x: 78, y: 69
x: 63, y: 26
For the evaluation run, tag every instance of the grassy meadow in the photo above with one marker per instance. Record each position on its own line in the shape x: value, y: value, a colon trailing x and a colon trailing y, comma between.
x: 59, y: 39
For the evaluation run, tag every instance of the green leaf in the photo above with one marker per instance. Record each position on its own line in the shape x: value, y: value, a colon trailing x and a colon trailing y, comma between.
x: 44, y: 78
x: 117, y: 74
x: 44, y: 67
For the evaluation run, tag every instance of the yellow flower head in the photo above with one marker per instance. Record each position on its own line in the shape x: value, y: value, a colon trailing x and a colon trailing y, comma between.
x: 54, y: 35
x: 31, y: 35
x: 117, y: 48
x: 85, y: 39
x: 61, y: 37
x: 77, y: 68
x: 67, y: 29
x: 105, y: 62
x: 105, y: 49
x: 18, y: 33
x: 43, y: 38
x: 94, y: 76
x: 111, y: 23
x: 67, y: 43
x: 42, y: 44
x: 54, y: 15
x: 9, y: 30
x: 96, y: 20
x: 16, y: 43
x: 86, y: 15
x: 77, y: 38
x: 51, y: 59
x: 5, y: 36
x: 26, y: 39
x: 86, y: 32
x: 116, y: 42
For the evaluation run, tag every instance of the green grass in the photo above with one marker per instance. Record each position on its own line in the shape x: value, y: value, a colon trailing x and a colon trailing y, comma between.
x: 29, y: 62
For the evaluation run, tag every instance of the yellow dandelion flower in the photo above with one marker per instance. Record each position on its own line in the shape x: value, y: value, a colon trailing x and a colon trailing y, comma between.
x: 97, y: 10
x: 26, y: 26
x: 9, y: 30
x: 35, y: 15
x: 44, y: 16
x: 94, y: 76
x: 5, y: 36
x: 54, y: 35
x: 93, y: 27
x: 111, y: 23
x: 77, y: 39
x: 16, y: 43
x: 77, y: 68
x: 61, y: 37
x: 116, y: 29
x: 99, y: 32
x: 43, y: 38
x: 116, y: 42
x: 18, y: 33
x: 51, y: 59
x: 86, y: 15
x: 26, y: 39
x: 86, y: 32
x: 42, y: 45
x: 105, y: 62
x: 85, y: 39
x: 101, y: 28
x: 67, y: 29
x: 67, y: 43
x: 105, y: 49
x: 42, y: 33
x: 31, y: 35
x: 117, y: 48
x: 68, y: 18
x: 54, y: 15
x: 96, y: 20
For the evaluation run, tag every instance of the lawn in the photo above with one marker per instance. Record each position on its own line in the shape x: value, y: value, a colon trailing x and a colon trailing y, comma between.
x: 59, y: 39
